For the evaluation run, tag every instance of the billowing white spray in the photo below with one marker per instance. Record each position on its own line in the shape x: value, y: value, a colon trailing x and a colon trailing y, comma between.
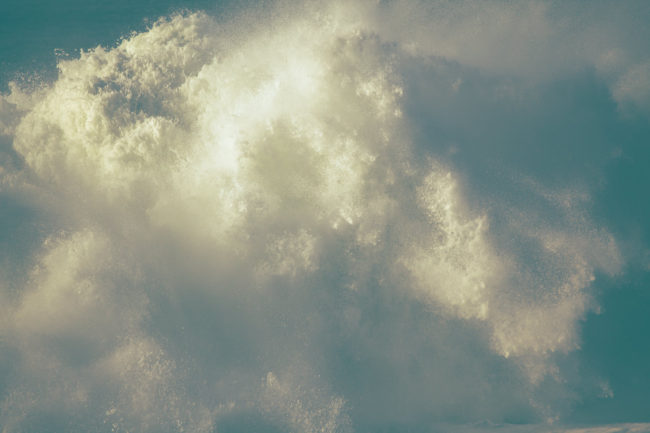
x: 244, y: 212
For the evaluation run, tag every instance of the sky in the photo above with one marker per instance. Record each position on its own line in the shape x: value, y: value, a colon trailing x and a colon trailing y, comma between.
x: 372, y: 216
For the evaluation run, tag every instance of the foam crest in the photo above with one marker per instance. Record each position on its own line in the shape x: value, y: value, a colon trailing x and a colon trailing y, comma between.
x: 229, y: 197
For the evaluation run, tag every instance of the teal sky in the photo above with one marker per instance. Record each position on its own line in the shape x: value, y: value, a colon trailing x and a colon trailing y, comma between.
x: 437, y: 220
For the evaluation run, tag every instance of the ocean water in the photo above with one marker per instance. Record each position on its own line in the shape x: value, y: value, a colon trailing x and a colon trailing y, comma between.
x: 324, y: 216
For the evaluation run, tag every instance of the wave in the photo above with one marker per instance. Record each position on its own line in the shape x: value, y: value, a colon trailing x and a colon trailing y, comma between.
x: 244, y: 232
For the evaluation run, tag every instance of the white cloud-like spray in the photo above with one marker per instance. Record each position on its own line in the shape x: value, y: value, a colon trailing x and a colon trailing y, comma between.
x: 237, y: 213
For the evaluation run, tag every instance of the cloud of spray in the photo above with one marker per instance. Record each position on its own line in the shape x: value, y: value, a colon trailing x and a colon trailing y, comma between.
x: 240, y: 231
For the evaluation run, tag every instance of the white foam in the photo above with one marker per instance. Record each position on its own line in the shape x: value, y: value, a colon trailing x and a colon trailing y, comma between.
x: 264, y: 174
